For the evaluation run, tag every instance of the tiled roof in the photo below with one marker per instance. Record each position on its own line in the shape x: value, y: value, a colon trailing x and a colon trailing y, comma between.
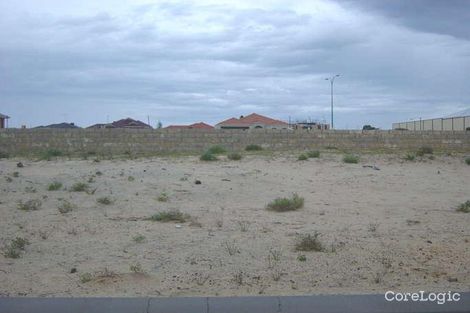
x: 200, y: 125
x: 252, y: 119
x: 131, y: 123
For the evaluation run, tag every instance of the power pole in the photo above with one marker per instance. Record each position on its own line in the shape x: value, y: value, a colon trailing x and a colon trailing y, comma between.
x: 332, y: 80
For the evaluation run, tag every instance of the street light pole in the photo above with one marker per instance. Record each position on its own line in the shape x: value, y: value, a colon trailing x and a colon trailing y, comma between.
x: 332, y: 80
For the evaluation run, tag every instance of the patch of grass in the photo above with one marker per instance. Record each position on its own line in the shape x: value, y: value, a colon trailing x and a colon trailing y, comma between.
x: 231, y: 247
x: 302, y: 157
x: 170, y: 216
x: 424, y: 150
x: 302, y: 258
x: 139, y: 238
x: 4, y: 155
x: 98, y: 173
x: 9, y: 179
x: 409, y: 157
x: 15, y: 174
x: 19, y: 243
x: 467, y: 160
x: 65, y: 207
x: 163, y: 197
x: 217, y: 149
x: 350, y: 158
x: 80, y: 187
x: 54, y: 186
x: 253, y: 148
x: 464, y: 207
x: 30, y: 205
x: 29, y: 189
x: 244, y: 225
x: 234, y: 156
x: 309, y: 243
x: 208, y: 157
x: 286, y: 204
x: 51, y: 153
x: 130, y: 178
x: 104, y: 200
x: 313, y: 154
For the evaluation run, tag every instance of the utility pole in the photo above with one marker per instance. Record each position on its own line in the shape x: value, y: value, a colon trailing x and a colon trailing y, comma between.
x: 332, y: 80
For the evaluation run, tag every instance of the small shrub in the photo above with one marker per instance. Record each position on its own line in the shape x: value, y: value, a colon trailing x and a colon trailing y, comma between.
x: 302, y: 157
x: 253, y: 148
x: 30, y: 205
x: 170, y: 216
x: 208, y: 157
x: 86, y: 277
x: 15, y: 174
x: 130, y: 178
x: 29, y: 189
x: 424, y: 150
x: 65, y: 207
x: 54, y: 186
x: 302, y: 258
x: 4, y: 155
x: 19, y: 243
x: 216, y: 150
x: 80, y: 187
x: 51, y: 153
x: 467, y: 160
x: 309, y: 243
x: 349, y: 158
x: 234, y: 156
x: 136, y: 268
x: 409, y: 157
x: 313, y: 154
x: 104, y: 200
x: 98, y: 173
x: 244, y: 225
x: 286, y: 204
x: 163, y: 197
x: 9, y: 179
x: 464, y: 207
x: 13, y: 250
x: 139, y: 238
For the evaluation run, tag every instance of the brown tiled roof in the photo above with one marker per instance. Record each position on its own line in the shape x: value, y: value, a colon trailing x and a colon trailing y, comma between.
x: 250, y: 120
x: 130, y: 123
x: 200, y: 125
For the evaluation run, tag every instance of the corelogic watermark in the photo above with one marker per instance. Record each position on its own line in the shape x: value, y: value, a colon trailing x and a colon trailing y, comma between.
x: 423, y: 296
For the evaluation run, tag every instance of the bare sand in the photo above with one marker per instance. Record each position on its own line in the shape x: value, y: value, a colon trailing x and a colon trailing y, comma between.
x: 390, y: 229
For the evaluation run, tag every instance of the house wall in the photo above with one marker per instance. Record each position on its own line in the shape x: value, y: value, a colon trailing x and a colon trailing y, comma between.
x: 144, y: 141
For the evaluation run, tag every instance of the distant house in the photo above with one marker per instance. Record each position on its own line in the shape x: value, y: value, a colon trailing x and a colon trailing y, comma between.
x: 200, y: 125
x: 310, y: 125
x: 60, y: 125
x: 124, y: 123
x: 252, y: 121
x: 3, y: 120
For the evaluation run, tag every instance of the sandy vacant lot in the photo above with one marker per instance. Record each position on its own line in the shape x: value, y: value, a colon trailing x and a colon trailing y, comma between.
x: 394, y: 228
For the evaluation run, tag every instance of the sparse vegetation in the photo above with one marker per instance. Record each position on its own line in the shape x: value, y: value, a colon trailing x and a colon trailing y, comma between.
x: 302, y: 258
x: 302, y: 157
x: 424, y: 150
x: 65, y: 207
x: 130, y: 178
x: 29, y: 189
x: 4, y: 155
x: 30, y: 205
x: 217, y: 149
x: 350, y: 158
x: 163, y: 197
x: 208, y: 157
x: 136, y: 268
x: 464, y: 207
x: 234, y: 156
x: 244, y: 225
x: 15, y: 174
x: 104, y: 200
x: 286, y: 204
x: 51, y: 153
x: 231, y: 247
x: 467, y: 160
x: 409, y: 157
x: 139, y: 238
x: 86, y: 277
x: 253, y: 148
x: 80, y: 187
x: 170, y: 216
x: 13, y: 250
x: 54, y: 186
x: 309, y: 243
x: 313, y: 154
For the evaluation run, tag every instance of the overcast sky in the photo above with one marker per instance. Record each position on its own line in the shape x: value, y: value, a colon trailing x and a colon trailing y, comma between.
x: 187, y: 61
